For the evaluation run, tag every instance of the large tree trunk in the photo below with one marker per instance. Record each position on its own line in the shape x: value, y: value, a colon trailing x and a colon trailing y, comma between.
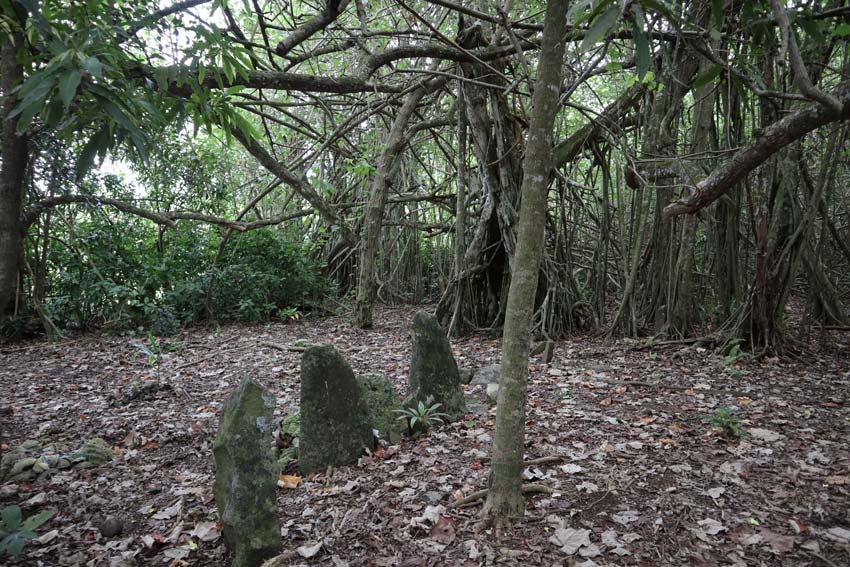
x: 504, y: 500
x: 374, y: 215
x: 15, y: 153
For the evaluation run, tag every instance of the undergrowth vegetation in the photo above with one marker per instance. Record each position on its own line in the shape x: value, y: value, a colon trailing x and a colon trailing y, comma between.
x: 133, y: 277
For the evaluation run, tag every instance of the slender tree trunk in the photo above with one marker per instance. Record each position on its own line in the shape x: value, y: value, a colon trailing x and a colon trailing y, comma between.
x: 456, y: 325
x: 504, y: 500
x: 374, y: 215
x: 15, y: 152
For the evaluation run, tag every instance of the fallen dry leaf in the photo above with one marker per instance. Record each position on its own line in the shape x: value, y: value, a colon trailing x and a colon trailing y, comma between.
x: 288, y: 481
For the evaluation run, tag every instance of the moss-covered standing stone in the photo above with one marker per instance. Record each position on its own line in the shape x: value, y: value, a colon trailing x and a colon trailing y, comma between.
x: 335, y: 424
x: 246, y: 475
x: 383, y: 405
x: 434, y: 376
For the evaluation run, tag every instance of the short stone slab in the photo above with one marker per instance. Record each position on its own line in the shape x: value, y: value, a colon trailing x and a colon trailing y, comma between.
x: 335, y: 423
x: 486, y: 375
x: 246, y: 475
x: 434, y: 376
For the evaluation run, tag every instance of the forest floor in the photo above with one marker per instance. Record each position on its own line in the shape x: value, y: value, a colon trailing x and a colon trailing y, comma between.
x: 641, y: 469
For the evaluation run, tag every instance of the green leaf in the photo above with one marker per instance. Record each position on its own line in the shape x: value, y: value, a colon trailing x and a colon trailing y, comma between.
x: 578, y: 10
x: 717, y: 11
x: 812, y: 30
x: 53, y: 113
x: 11, y: 516
x: 601, y: 26
x: 98, y: 144
x: 68, y: 86
x: 13, y: 545
x: 27, y: 114
x: 227, y: 67
x: 641, y: 50
x: 34, y: 522
x: 708, y: 76
x: 842, y: 30
x: 94, y: 66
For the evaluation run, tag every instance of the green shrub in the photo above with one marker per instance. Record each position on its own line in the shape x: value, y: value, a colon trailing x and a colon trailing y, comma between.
x: 122, y: 275
x: 421, y: 417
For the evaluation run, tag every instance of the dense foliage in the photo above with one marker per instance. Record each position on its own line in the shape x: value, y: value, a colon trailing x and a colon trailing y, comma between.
x: 274, y: 152
x: 125, y: 275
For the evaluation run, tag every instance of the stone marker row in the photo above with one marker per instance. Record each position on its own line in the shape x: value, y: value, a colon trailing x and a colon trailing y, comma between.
x: 338, y: 414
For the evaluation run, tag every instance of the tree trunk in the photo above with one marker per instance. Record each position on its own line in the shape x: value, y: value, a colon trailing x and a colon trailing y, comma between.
x: 456, y: 325
x: 504, y: 500
x: 15, y: 152
x: 374, y: 215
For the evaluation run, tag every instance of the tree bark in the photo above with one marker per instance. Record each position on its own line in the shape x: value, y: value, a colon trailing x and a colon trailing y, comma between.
x: 15, y: 151
x: 504, y: 500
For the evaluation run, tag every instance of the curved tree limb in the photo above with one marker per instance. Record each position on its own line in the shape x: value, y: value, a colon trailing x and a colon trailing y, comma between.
x: 775, y: 137
x: 332, y: 9
x: 166, y: 219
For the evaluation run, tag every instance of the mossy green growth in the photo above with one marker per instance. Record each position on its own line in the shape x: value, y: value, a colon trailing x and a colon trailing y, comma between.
x: 289, y: 434
x: 94, y: 452
x: 383, y: 404
x: 246, y: 475
x: 29, y: 459
x: 290, y: 427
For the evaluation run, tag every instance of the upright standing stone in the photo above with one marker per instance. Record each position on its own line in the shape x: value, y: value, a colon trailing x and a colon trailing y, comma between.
x: 335, y: 423
x: 434, y: 376
x: 246, y: 475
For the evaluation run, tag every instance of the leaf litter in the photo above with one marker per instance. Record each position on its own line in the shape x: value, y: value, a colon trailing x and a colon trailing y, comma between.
x: 641, y: 477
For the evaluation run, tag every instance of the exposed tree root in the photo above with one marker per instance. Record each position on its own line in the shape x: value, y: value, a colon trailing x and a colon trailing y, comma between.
x: 481, y: 494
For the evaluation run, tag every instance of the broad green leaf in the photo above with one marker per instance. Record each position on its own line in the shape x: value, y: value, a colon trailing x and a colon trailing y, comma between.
x: 68, y: 86
x: 13, y: 544
x: 577, y: 10
x: 708, y: 76
x: 98, y: 144
x: 227, y: 67
x: 11, y: 516
x: 34, y: 522
x: 600, y: 27
x: 53, y: 113
x: 641, y: 50
x: 717, y: 11
x: 34, y: 90
x: 94, y: 66
x: 27, y: 113
x: 842, y: 30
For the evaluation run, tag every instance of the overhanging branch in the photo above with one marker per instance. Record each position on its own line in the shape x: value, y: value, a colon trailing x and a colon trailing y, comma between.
x: 775, y: 137
x: 166, y: 219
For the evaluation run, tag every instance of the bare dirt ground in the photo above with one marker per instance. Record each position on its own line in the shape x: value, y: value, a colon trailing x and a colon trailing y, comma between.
x: 641, y: 479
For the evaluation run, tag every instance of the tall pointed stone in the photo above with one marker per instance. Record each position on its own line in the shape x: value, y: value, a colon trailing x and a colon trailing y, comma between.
x: 335, y: 423
x: 434, y: 376
x: 246, y: 475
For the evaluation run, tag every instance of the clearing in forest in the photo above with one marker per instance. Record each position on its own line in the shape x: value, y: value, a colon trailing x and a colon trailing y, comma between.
x: 642, y: 476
